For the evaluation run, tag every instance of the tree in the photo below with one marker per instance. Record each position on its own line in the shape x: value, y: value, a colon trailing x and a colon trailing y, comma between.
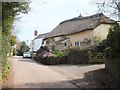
x: 111, y: 7
x: 22, y: 48
x: 114, y: 42
x: 12, y: 40
x: 9, y: 11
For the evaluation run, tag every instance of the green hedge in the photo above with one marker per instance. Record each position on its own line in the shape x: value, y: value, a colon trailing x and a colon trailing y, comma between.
x: 77, y: 56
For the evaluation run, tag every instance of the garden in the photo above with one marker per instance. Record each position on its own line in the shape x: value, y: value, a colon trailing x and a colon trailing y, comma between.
x: 71, y: 56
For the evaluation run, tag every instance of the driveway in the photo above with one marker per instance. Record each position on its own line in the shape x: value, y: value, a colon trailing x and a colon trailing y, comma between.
x: 76, y: 71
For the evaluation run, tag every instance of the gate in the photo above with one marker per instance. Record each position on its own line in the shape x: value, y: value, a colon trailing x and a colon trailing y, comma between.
x: 96, y: 57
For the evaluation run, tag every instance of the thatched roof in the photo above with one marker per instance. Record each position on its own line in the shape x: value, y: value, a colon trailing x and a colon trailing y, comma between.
x: 79, y: 24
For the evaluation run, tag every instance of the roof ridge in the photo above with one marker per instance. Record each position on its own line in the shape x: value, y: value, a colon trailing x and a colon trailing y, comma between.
x: 81, y: 18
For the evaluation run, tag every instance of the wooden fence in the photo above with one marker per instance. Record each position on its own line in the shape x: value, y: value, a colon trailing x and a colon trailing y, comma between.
x: 96, y: 57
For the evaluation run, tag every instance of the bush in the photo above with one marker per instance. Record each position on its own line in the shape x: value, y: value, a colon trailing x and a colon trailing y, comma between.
x: 40, y: 52
x: 42, y: 48
x: 113, y: 38
x: 113, y: 60
x: 60, y: 54
x: 77, y: 56
x: 54, y: 58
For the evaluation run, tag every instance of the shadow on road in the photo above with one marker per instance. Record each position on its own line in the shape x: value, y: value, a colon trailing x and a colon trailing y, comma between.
x: 96, y: 79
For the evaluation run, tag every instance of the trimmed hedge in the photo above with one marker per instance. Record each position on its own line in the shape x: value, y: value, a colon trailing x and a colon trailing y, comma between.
x: 77, y: 56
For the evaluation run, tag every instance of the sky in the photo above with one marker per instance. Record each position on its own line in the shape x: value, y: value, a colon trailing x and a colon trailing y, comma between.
x: 45, y: 15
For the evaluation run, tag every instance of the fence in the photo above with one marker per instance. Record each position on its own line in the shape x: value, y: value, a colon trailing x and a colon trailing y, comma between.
x: 96, y: 57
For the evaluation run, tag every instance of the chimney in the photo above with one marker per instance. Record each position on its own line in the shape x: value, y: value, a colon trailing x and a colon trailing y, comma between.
x: 35, y: 33
x: 80, y: 15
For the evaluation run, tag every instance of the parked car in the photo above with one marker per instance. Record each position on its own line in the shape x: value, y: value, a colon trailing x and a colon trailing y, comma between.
x: 26, y: 55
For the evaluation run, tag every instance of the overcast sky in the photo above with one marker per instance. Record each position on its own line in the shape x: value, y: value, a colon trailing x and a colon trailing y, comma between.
x: 44, y: 17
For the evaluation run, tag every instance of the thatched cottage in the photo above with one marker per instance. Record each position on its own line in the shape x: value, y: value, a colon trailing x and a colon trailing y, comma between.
x: 73, y: 32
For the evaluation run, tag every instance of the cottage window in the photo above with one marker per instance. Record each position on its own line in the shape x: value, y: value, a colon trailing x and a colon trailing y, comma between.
x: 77, y: 44
x: 65, y: 44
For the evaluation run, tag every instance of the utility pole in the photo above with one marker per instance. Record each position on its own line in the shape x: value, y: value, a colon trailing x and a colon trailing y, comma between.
x: 27, y: 43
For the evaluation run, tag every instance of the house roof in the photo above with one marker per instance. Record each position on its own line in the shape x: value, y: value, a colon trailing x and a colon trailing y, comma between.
x: 79, y: 24
x: 41, y: 36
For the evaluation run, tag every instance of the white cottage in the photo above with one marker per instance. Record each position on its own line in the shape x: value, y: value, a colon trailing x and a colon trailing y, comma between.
x: 37, y: 42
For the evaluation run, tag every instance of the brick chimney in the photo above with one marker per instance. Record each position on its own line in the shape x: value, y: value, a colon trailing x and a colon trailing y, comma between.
x: 80, y: 15
x: 35, y: 33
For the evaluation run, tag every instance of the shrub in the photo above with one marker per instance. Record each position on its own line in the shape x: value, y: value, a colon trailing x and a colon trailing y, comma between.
x: 60, y: 54
x: 113, y: 61
x: 49, y: 58
x: 77, y: 56
x: 113, y: 38
x: 42, y: 48
x: 40, y: 52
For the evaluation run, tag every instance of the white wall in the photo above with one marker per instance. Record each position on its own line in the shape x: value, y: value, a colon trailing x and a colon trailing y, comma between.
x: 37, y: 44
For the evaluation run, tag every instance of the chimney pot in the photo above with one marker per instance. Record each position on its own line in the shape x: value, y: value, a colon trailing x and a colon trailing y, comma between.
x: 35, y: 33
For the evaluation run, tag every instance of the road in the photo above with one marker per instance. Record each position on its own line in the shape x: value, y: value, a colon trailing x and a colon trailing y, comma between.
x: 27, y: 73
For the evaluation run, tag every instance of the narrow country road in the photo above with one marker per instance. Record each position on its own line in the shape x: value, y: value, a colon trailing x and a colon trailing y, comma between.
x: 27, y: 73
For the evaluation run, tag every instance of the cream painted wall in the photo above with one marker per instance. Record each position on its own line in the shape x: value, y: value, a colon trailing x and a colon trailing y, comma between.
x: 78, y: 37
x: 102, y: 31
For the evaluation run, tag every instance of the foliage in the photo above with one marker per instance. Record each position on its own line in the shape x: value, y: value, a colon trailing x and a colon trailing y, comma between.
x: 77, y: 56
x: 23, y: 48
x: 53, y: 58
x: 59, y: 53
x: 90, y: 43
x: 42, y: 48
x: 14, y: 51
x: 5, y: 70
x: 111, y: 7
x: 114, y: 42
x: 13, y: 40
x: 100, y: 47
x: 9, y: 12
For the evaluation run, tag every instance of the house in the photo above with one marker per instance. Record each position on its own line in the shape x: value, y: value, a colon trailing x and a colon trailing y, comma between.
x: 37, y: 42
x: 74, y: 32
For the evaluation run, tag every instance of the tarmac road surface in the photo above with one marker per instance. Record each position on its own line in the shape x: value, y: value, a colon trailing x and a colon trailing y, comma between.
x: 27, y: 73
